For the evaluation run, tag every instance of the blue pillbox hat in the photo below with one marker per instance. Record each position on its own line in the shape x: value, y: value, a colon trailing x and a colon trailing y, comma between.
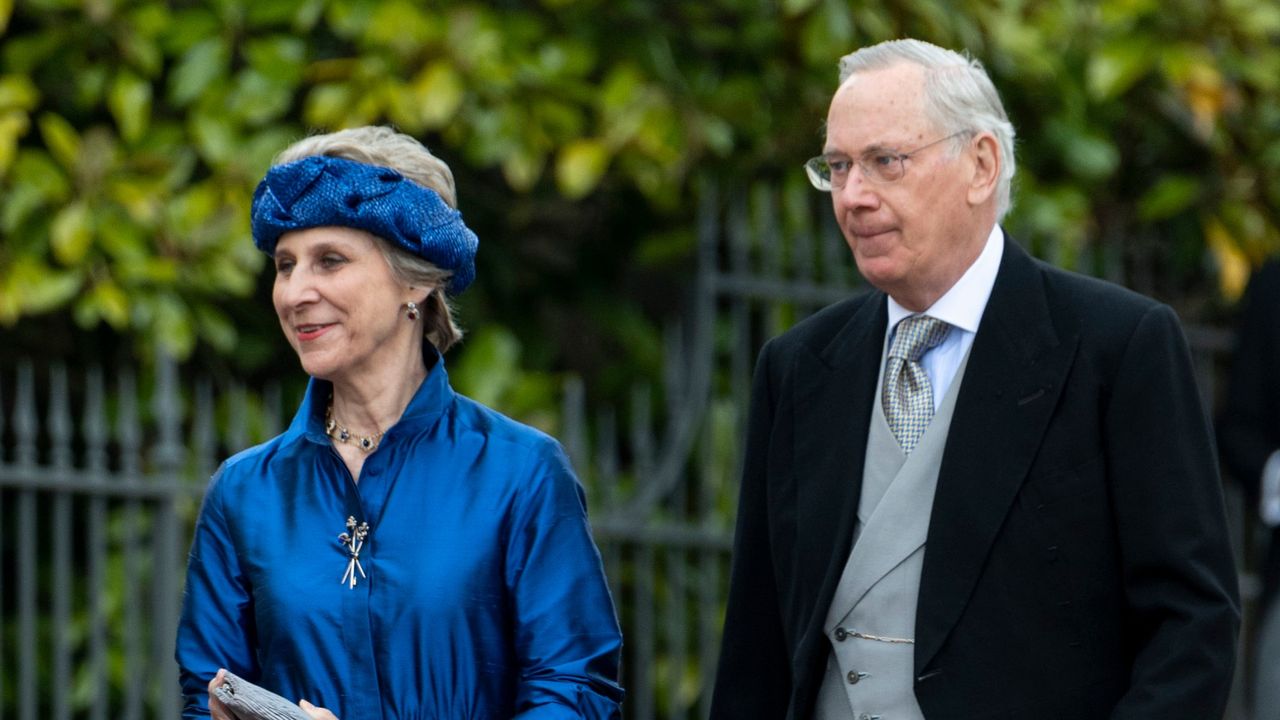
x: 322, y: 191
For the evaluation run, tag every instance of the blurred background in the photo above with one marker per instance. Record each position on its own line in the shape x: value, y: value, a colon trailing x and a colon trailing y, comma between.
x: 633, y: 169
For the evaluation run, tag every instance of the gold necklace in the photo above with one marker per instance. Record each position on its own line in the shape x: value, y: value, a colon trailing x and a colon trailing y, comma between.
x: 337, y: 431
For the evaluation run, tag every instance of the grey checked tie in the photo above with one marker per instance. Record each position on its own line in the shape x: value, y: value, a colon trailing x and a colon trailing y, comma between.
x: 908, y: 395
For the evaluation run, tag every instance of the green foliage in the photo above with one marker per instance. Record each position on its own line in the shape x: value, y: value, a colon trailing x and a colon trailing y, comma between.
x: 132, y: 134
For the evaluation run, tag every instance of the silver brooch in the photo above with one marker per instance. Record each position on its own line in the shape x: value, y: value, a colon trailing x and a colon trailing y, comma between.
x: 353, y: 542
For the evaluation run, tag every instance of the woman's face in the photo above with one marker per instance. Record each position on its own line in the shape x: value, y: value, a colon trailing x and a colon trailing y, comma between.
x: 340, y: 305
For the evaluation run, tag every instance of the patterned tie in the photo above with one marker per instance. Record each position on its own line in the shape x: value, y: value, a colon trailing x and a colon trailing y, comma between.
x: 908, y: 395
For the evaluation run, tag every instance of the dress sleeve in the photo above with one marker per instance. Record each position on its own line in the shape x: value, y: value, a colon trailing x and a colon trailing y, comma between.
x: 217, y: 626
x: 566, y: 634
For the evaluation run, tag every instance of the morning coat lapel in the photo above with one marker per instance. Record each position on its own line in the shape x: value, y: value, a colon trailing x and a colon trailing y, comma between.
x: 835, y: 389
x: 1016, y: 371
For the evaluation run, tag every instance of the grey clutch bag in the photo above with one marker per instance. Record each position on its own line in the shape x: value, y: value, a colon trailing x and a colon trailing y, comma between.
x: 250, y: 702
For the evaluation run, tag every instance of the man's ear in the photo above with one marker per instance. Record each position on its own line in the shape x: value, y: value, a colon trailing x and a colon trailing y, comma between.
x: 985, y: 152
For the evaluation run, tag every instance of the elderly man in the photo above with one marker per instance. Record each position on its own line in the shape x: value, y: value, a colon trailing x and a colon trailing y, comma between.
x: 986, y: 490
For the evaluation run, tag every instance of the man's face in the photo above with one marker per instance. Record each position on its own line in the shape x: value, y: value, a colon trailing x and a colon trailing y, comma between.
x: 912, y: 238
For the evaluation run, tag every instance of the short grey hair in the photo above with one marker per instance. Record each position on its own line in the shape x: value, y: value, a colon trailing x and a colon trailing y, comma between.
x: 959, y: 96
x: 387, y: 147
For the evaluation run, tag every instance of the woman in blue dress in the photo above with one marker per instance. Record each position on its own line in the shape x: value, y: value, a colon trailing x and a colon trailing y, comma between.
x: 400, y: 552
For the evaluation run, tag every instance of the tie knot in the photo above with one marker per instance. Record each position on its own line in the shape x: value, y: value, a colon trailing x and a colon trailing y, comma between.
x: 916, y: 335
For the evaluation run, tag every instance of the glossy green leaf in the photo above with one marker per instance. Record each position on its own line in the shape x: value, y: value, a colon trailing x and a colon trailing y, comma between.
x: 258, y: 99
x: 199, y: 67
x: 438, y: 92
x: 1091, y: 157
x: 828, y: 32
x: 172, y: 325
x: 49, y: 290
x: 71, y: 233
x: 1116, y: 67
x: 281, y: 58
x: 110, y: 303
x: 13, y: 125
x: 490, y: 365
x: 18, y: 92
x: 1169, y: 197
x: 268, y: 14
x: 216, y: 328
x: 141, y: 52
x: 18, y: 205
x: 400, y: 25
x: 125, y: 242
x: 130, y: 105
x: 215, y: 137
x: 522, y: 168
x: 61, y: 138
x: 797, y: 7
x: 326, y: 105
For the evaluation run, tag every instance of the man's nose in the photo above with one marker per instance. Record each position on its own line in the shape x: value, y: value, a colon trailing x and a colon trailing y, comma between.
x: 856, y: 192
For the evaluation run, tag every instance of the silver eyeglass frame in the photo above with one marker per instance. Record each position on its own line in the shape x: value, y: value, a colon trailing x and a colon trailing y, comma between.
x: 818, y: 168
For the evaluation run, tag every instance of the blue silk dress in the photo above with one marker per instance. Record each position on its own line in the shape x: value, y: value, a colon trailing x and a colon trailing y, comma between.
x: 483, y: 595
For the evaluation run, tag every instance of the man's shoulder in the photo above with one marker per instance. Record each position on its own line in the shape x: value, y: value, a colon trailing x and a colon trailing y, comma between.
x: 1106, y: 317
x: 1085, y: 294
x: 1073, y: 300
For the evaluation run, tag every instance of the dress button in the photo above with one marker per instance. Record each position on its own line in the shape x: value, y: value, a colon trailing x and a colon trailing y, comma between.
x: 854, y: 677
x: 841, y: 634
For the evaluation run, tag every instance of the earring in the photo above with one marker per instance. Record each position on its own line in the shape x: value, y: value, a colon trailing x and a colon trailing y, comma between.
x: 411, y: 311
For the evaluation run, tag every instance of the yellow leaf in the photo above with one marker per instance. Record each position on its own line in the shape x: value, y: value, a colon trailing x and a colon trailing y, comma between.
x: 438, y: 92
x: 1233, y: 266
x: 580, y: 166
x: 71, y: 233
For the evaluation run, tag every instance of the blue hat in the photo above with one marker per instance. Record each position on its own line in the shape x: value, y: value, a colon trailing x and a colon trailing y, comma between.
x: 321, y: 191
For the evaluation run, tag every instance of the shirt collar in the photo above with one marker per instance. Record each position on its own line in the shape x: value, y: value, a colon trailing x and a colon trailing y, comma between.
x: 963, y: 304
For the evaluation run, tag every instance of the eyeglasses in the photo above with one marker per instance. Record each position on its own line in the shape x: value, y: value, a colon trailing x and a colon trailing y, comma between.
x: 882, y: 165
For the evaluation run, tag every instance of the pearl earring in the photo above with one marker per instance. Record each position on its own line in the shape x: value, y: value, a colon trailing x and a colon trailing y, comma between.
x: 411, y: 311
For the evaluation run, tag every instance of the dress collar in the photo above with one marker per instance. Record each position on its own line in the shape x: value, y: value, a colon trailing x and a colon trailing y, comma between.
x: 430, y: 400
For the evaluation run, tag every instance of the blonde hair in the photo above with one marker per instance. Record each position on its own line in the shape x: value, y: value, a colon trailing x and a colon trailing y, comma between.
x: 387, y: 147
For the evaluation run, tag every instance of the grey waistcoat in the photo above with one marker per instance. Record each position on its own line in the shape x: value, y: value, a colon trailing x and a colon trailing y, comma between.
x: 868, y: 679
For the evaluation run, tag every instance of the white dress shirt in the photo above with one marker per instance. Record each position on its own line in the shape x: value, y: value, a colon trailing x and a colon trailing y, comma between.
x: 961, y: 307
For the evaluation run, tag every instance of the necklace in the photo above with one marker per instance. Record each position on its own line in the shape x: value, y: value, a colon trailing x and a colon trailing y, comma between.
x: 337, y: 431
